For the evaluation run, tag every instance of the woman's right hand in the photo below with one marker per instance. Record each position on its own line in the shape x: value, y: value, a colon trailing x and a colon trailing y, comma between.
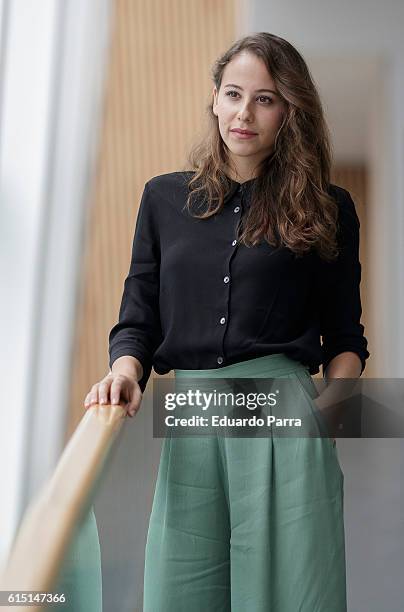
x: 114, y: 389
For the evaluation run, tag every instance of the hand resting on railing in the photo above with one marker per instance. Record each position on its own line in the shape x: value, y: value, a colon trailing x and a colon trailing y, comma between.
x: 120, y: 386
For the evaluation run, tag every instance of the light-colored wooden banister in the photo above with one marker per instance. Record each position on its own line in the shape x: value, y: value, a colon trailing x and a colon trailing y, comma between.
x: 49, y: 522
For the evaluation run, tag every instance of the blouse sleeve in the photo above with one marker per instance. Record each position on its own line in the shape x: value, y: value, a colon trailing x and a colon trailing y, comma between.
x: 138, y: 331
x: 339, y: 290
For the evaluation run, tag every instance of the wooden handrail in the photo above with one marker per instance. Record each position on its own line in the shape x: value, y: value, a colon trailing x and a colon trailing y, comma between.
x: 49, y: 521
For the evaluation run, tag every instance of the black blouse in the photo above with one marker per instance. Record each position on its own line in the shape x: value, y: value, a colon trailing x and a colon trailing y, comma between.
x: 195, y: 299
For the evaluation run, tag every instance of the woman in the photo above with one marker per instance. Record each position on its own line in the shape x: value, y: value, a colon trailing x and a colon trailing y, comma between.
x: 238, y: 267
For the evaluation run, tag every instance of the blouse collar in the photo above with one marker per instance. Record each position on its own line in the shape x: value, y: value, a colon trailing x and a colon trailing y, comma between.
x: 235, y: 185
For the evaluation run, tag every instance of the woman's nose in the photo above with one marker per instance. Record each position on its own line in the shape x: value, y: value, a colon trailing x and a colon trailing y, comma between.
x: 245, y: 113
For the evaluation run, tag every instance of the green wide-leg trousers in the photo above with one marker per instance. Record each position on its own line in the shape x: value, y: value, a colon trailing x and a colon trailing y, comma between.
x: 248, y: 524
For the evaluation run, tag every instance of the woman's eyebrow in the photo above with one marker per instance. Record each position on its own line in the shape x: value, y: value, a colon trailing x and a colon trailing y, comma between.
x: 256, y: 91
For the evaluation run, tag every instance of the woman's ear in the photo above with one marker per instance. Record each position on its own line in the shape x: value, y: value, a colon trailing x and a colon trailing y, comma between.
x: 214, y: 104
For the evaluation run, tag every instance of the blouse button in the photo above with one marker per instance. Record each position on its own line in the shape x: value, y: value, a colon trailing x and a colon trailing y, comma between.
x: 236, y: 210
x: 219, y: 360
x: 223, y: 320
x: 234, y: 243
x: 226, y: 279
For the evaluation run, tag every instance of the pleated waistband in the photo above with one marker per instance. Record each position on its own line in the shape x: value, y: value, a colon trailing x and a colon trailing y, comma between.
x: 269, y: 366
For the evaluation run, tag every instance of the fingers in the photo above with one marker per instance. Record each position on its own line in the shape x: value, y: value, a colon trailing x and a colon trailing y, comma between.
x: 99, y: 393
x: 92, y: 396
x: 103, y: 390
x: 114, y: 389
x: 134, y: 405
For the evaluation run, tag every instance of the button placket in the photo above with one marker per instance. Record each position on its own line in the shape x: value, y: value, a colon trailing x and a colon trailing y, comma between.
x: 223, y: 321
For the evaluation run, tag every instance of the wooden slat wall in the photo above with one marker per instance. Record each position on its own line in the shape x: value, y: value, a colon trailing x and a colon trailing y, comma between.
x: 156, y: 93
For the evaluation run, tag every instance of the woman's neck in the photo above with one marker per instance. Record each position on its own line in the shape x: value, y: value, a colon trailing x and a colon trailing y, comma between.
x: 241, y: 175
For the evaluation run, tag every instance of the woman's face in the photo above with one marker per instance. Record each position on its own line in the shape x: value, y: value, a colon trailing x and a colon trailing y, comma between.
x: 248, y: 100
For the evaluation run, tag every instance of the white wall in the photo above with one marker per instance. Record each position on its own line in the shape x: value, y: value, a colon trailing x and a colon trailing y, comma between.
x: 28, y: 50
x: 53, y: 56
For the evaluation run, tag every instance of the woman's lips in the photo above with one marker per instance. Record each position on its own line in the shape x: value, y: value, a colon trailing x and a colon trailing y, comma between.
x: 242, y: 136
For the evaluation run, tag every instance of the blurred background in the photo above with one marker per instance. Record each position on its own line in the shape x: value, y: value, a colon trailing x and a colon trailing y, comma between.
x: 98, y: 96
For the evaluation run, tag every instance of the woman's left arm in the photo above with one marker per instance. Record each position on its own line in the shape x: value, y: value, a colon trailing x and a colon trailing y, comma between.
x: 338, y: 297
x: 344, y: 365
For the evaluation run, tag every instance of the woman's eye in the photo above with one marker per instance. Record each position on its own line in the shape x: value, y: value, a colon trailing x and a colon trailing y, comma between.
x: 266, y: 99
x: 231, y: 92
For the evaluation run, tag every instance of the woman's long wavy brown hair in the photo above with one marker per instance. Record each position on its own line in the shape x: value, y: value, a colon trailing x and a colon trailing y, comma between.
x: 290, y: 202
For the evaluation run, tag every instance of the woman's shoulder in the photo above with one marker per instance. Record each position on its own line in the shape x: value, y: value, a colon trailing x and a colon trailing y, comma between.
x: 346, y: 205
x: 170, y: 180
x: 348, y: 224
x: 339, y: 193
x: 167, y: 192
